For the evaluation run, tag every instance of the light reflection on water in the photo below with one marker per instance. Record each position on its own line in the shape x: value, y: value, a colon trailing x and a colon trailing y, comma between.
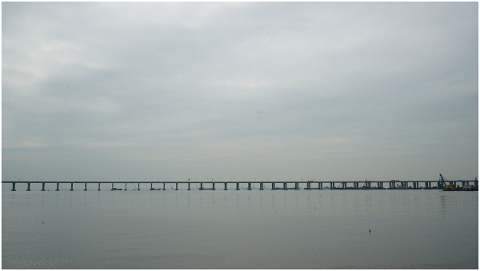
x: 239, y: 229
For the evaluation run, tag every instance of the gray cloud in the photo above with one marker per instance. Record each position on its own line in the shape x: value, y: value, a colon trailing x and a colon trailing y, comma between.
x: 267, y: 90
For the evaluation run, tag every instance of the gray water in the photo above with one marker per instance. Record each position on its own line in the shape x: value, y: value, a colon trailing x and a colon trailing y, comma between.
x: 240, y: 229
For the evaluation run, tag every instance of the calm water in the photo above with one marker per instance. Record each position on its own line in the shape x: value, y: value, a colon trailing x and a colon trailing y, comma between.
x: 239, y: 229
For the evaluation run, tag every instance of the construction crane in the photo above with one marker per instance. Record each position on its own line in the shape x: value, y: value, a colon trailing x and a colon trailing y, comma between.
x: 443, y: 184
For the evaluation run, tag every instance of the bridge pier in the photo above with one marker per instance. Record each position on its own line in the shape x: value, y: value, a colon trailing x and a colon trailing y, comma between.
x: 138, y: 187
x: 393, y: 184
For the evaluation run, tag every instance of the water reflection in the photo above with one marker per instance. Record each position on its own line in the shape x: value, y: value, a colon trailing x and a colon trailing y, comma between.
x: 315, y: 229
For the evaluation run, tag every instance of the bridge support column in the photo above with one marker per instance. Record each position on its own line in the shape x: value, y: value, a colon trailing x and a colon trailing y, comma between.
x: 176, y: 186
x: 99, y: 187
x: 13, y: 187
x: 85, y: 187
x: 344, y: 185
x: 163, y: 186
x: 71, y: 186
x: 138, y: 186
x: 225, y: 186
x: 28, y: 187
x: 213, y: 186
x: 284, y: 186
x: 320, y: 186
x: 297, y: 186
x: 58, y: 187
x: 112, y: 186
x: 261, y: 186
x: 125, y: 186
x: 308, y: 185
x: 43, y: 186
x: 201, y: 186
x: 151, y: 186
x: 332, y: 185
x: 188, y: 186
x: 379, y: 184
x: 238, y: 186
x: 273, y: 186
x: 249, y: 186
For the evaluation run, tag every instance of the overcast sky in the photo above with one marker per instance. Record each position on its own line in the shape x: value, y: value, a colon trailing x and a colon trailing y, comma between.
x: 277, y: 91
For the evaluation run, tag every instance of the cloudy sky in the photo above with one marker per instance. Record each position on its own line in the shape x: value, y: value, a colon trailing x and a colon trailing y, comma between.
x: 277, y: 91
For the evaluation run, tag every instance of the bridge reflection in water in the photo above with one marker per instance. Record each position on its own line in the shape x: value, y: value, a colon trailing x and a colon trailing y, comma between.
x: 279, y: 185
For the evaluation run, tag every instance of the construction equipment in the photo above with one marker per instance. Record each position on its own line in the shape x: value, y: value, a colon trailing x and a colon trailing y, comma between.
x: 443, y: 184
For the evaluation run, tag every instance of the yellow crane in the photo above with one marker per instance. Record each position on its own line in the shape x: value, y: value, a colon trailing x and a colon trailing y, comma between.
x: 443, y: 184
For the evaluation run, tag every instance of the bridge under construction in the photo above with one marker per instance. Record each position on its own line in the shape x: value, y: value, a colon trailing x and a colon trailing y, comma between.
x: 262, y: 185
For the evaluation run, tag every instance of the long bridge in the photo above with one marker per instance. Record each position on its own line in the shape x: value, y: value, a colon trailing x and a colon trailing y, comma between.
x: 273, y: 185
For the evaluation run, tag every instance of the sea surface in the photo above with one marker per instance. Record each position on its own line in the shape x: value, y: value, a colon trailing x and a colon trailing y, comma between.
x: 276, y: 229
